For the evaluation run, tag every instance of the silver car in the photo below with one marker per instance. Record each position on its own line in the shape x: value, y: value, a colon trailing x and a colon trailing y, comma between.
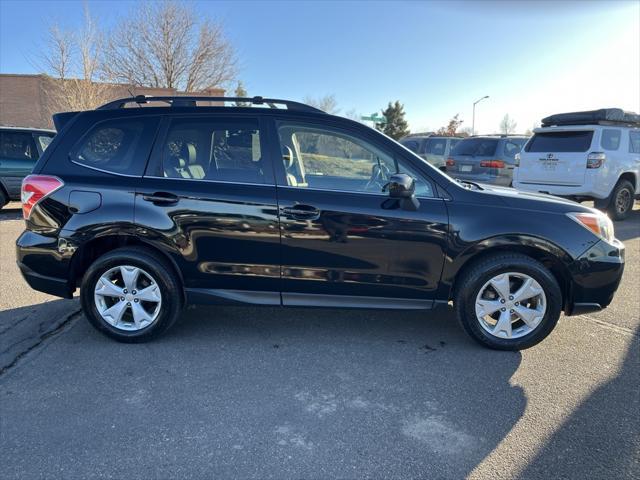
x: 434, y: 149
x: 486, y: 159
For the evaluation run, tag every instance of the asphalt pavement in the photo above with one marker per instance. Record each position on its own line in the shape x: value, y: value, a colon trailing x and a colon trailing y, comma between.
x: 249, y: 392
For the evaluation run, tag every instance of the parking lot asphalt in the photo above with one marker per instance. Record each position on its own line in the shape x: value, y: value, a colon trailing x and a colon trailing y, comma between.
x: 289, y: 393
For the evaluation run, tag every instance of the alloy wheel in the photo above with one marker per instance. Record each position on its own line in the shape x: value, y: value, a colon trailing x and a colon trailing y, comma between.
x: 510, y: 305
x: 623, y: 199
x: 128, y: 298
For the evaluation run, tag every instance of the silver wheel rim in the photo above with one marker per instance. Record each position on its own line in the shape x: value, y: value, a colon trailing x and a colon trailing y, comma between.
x: 127, y: 298
x: 623, y: 199
x: 510, y: 305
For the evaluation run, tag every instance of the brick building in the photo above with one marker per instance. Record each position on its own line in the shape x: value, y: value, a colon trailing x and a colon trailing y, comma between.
x: 23, y: 98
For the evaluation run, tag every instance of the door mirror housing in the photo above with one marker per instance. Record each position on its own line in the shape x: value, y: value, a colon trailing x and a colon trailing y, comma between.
x: 401, y: 185
x: 402, y: 188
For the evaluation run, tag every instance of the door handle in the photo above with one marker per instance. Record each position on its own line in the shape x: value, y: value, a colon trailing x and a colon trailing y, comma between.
x: 163, y: 198
x: 301, y: 212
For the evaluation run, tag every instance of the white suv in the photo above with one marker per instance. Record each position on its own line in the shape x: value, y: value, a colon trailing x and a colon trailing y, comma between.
x: 585, y: 155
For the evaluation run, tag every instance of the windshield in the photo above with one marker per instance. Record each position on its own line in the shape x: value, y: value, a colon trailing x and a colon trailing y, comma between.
x: 484, y: 147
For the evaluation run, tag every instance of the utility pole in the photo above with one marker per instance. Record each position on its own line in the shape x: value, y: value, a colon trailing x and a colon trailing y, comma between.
x: 473, y: 119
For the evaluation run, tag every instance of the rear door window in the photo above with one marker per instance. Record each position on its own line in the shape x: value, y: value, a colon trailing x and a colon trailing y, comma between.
x: 610, y: 138
x: 576, y: 141
x: 17, y: 146
x: 634, y: 141
x: 119, y: 145
x: 215, y: 150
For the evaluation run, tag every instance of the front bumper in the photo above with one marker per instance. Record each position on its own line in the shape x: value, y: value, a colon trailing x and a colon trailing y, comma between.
x: 595, y: 276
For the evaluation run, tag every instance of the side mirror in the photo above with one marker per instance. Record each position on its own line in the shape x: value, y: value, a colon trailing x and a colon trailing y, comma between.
x: 402, y: 186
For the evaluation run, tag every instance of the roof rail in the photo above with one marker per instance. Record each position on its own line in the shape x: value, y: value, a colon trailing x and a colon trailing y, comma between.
x: 190, y: 101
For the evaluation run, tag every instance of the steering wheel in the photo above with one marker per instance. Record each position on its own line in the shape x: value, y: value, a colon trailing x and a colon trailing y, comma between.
x: 380, y: 173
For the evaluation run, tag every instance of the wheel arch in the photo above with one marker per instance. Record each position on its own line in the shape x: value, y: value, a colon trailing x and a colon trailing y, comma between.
x: 631, y: 177
x: 553, y: 257
x: 88, y: 252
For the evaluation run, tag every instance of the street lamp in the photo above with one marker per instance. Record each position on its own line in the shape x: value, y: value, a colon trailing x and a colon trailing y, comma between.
x: 473, y: 119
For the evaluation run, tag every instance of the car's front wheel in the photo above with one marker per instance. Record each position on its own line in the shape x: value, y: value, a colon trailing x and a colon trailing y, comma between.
x: 508, y: 301
x: 131, y: 295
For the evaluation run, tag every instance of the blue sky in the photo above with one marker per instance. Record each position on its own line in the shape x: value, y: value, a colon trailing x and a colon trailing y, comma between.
x: 531, y: 58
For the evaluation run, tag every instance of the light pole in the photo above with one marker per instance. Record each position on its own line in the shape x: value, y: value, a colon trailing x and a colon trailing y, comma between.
x: 473, y: 119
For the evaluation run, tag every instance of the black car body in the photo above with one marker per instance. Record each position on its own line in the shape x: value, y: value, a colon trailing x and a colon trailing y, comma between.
x: 235, y: 217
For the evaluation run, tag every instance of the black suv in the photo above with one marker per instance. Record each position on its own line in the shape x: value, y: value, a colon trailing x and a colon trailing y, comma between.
x: 149, y: 209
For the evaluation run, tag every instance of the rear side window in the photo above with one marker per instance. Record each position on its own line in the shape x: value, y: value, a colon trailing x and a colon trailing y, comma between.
x: 477, y: 147
x: 214, y: 150
x: 17, y: 146
x: 610, y: 139
x: 578, y: 141
x: 454, y: 142
x: 511, y: 147
x: 118, y: 146
x: 412, y: 145
x: 634, y: 141
x: 44, y: 141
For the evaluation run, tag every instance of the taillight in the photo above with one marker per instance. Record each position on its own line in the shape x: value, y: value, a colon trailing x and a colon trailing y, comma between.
x: 595, y: 159
x: 35, y: 188
x: 492, y: 163
x: 450, y: 162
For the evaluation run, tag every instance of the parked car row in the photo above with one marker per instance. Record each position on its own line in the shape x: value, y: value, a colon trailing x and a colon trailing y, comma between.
x: 146, y: 210
x: 592, y: 155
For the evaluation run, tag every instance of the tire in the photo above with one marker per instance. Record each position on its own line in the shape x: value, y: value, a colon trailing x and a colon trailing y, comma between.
x: 621, y: 200
x: 517, y: 268
x: 153, y: 271
x: 4, y: 199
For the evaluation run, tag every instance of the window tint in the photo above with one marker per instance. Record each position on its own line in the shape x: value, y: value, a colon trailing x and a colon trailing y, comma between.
x: 634, y: 141
x: 578, y: 141
x: 610, y: 139
x: 332, y: 160
x: 436, y: 146
x: 17, y: 146
x: 215, y: 150
x: 117, y: 145
x: 453, y: 143
x: 511, y: 147
x: 477, y: 146
x: 412, y: 145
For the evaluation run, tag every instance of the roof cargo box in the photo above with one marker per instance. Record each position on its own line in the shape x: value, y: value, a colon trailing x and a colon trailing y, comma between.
x: 604, y: 116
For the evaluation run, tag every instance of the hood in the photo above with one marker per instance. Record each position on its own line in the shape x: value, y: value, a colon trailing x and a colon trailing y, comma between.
x: 533, y: 201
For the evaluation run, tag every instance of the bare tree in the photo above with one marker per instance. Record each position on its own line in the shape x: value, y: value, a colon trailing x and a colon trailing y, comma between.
x: 328, y: 103
x: 165, y: 44
x: 507, y: 125
x: 71, y: 62
x: 452, y: 127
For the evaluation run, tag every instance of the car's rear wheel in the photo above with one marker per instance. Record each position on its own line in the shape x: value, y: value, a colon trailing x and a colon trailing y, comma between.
x: 621, y: 200
x: 508, y: 301
x: 131, y: 295
x: 4, y: 199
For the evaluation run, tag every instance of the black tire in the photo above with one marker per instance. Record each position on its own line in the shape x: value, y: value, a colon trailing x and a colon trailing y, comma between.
x: 487, y: 268
x: 621, y: 200
x: 4, y: 199
x: 158, y: 268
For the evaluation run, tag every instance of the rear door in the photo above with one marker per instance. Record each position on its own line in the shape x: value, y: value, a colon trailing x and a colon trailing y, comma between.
x: 18, y: 155
x: 209, y: 196
x: 556, y: 157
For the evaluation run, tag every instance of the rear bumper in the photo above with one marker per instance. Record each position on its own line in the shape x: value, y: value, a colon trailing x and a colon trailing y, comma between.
x: 43, y: 265
x: 595, y: 278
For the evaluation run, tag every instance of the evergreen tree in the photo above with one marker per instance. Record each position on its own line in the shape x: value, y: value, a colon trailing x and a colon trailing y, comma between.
x: 396, y: 126
x: 240, y: 92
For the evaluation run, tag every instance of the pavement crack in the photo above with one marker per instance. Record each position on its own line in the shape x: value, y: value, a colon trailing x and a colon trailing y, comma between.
x: 612, y: 326
x: 41, y: 339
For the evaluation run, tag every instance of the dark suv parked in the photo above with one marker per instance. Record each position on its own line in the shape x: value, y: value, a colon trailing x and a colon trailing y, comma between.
x: 149, y: 209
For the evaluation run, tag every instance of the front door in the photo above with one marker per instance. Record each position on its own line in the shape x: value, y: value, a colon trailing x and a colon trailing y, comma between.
x: 344, y: 241
x: 209, y: 192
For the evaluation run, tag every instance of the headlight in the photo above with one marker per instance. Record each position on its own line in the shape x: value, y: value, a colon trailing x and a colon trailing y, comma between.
x: 598, y: 223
